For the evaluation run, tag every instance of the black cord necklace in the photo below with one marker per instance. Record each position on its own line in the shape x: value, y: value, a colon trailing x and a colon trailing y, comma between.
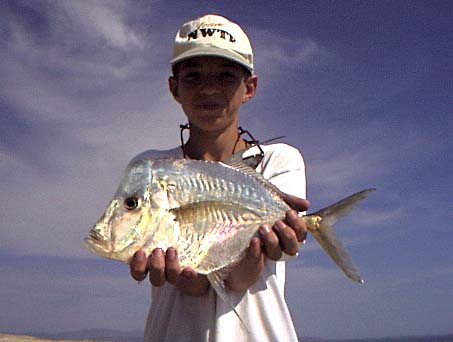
x: 251, y: 141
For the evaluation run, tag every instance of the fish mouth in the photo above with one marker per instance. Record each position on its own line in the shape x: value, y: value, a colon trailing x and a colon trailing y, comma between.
x: 95, y: 235
x: 97, y: 243
x: 103, y: 246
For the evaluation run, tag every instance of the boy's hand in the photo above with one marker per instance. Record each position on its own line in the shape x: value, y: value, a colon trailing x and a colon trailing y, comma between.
x: 164, y: 267
x: 285, y: 235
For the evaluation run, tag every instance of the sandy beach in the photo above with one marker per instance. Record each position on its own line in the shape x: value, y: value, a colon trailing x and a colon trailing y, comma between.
x: 25, y: 338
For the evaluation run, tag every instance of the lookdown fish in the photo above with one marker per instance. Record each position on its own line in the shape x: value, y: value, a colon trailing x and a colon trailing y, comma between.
x: 208, y: 211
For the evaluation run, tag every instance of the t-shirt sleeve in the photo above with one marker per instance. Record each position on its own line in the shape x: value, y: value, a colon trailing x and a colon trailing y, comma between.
x: 284, y: 167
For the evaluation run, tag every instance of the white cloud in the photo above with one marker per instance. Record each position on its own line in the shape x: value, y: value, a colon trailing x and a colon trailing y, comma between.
x: 88, y: 109
x: 103, y: 20
x: 272, y: 49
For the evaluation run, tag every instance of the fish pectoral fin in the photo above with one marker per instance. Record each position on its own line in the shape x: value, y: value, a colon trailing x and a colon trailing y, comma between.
x: 216, y: 281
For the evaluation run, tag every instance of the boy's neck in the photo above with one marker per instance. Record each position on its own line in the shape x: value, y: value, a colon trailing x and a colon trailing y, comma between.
x: 214, y: 146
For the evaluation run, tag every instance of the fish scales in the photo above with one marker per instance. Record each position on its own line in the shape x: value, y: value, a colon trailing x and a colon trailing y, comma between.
x: 226, y: 231
x: 226, y: 183
x: 218, y: 223
x: 196, y: 207
x: 208, y: 211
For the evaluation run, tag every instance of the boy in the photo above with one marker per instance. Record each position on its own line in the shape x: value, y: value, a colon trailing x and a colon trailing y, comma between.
x: 213, y: 75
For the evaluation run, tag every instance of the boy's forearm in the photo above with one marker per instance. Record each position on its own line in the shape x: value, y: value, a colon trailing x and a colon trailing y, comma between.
x: 247, y: 272
x: 194, y: 286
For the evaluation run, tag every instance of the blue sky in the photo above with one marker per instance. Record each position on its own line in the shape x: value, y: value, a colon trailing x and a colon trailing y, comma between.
x: 362, y: 88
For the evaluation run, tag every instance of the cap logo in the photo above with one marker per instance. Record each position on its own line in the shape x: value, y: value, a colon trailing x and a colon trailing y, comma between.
x: 213, y: 35
x: 210, y: 32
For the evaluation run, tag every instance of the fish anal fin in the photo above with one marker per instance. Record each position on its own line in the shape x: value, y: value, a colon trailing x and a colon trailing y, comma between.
x: 217, y: 282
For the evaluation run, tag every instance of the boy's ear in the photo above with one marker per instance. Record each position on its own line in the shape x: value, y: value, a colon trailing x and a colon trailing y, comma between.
x: 251, y: 83
x: 173, y: 85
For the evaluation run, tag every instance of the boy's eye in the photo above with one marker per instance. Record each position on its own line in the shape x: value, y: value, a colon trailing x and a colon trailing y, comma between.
x: 227, y: 77
x: 191, y: 77
x: 221, y: 78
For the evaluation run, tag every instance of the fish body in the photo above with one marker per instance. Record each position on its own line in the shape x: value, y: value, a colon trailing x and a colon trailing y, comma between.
x: 208, y: 211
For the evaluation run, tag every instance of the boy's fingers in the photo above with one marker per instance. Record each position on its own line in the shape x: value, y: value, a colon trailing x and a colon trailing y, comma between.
x: 287, y: 238
x: 271, y: 243
x: 137, y: 266
x: 172, y: 268
x: 254, y: 251
x: 295, y: 202
x: 156, y: 266
x: 297, y: 224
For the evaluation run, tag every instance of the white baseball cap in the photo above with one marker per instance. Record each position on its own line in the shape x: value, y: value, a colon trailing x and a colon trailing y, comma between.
x: 213, y: 35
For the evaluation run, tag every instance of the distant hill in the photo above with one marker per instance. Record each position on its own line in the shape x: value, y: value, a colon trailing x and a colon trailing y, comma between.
x: 92, y: 335
x: 27, y: 338
x: 106, y: 335
x: 434, y: 338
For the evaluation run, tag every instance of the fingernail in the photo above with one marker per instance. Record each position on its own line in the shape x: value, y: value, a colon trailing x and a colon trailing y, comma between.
x: 157, y: 252
x: 187, y: 274
x: 265, y: 229
x: 279, y: 225
x: 171, y: 253
x: 293, y: 215
x: 139, y: 255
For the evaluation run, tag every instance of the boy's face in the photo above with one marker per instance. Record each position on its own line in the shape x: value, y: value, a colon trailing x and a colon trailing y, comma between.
x: 211, y: 91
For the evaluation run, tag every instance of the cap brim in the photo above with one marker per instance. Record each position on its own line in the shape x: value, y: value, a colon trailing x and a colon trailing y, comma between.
x: 215, y: 52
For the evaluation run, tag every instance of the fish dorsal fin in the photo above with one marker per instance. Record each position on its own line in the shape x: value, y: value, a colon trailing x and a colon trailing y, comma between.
x: 247, y: 165
x: 239, y: 162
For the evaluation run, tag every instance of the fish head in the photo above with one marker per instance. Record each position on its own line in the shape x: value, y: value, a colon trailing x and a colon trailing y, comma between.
x: 124, y: 226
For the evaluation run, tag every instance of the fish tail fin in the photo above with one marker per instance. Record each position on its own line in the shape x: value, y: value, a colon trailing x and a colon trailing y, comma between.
x: 324, y: 232
x: 218, y: 284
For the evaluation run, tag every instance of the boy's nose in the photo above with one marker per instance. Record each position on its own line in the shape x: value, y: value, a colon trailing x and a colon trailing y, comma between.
x: 209, y: 85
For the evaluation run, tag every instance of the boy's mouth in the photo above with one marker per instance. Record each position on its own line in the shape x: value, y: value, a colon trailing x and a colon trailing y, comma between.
x: 209, y: 106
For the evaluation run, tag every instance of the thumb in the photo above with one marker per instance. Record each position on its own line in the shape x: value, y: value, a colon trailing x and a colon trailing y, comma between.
x: 295, y: 202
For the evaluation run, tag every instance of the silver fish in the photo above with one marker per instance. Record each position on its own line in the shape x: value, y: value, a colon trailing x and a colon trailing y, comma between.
x: 208, y: 211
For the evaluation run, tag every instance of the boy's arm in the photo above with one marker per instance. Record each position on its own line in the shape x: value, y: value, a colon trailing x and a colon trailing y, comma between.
x: 283, y: 237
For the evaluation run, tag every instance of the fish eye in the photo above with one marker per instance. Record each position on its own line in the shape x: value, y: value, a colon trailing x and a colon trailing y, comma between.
x: 131, y: 203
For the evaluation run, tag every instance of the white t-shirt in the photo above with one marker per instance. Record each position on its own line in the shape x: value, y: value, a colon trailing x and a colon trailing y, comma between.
x: 175, y: 316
